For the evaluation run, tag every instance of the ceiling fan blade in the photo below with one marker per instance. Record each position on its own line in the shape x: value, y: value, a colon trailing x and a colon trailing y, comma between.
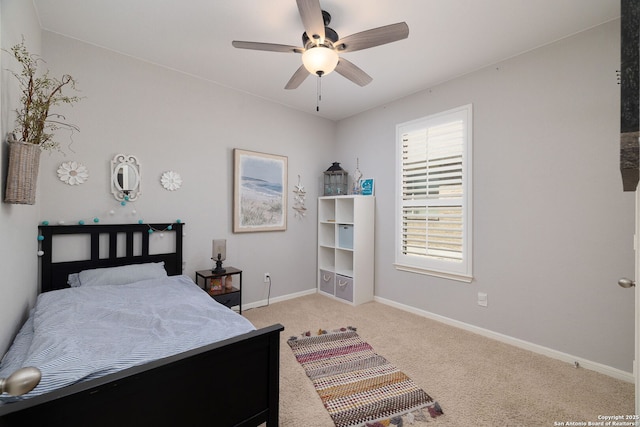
x: 270, y: 47
x: 350, y: 71
x: 297, y: 78
x: 311, y: 15
x: 374, y: 37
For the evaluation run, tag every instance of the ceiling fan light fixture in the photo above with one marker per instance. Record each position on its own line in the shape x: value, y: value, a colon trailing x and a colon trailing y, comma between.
x: 320, y: 60
x: 320, y: 48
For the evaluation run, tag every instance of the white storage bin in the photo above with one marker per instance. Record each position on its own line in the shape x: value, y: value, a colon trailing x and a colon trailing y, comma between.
x: 344, y: 287
x: 327, y: 281
x: 345, y: 236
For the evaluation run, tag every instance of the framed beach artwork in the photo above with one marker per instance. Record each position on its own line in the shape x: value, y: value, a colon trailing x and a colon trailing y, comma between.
x: 259, y: 192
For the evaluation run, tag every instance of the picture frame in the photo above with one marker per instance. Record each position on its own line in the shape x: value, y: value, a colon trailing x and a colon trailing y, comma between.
x: 259, y: 191
x: 367, y: 187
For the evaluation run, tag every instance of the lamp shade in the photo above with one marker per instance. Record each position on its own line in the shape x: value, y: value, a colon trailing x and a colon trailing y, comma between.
x: 320, y: 60
x: 219, y: 248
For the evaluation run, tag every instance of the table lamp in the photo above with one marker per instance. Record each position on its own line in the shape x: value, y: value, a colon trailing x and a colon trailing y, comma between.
x: 219, y: 254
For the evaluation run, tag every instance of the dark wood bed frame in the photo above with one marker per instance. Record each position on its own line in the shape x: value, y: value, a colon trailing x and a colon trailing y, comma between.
x: 234, y: 382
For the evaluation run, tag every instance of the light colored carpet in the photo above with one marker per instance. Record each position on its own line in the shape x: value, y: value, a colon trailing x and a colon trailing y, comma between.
x: 477, y: 381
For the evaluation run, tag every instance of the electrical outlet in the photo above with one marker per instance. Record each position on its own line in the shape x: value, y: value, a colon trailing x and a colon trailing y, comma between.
x: 482, y: 299
x: 267, y: 277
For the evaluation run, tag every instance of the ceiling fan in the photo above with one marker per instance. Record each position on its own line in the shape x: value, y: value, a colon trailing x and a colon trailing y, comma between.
x: 322, y: 46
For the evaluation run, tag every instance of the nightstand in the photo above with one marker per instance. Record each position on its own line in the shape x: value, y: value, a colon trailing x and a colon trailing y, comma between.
x: 229, y: 297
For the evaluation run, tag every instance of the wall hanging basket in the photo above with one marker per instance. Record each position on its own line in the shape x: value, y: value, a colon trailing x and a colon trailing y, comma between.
x: 22, y: 176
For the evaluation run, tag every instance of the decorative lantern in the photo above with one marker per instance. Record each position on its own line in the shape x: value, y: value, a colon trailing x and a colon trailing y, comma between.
x: 335, y: 180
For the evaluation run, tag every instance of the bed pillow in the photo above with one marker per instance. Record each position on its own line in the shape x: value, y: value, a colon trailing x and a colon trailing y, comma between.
x: 120, y: 275
x: 73, y: 280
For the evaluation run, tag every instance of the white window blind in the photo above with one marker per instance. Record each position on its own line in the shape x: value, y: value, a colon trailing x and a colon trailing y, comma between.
x: 433, y: 186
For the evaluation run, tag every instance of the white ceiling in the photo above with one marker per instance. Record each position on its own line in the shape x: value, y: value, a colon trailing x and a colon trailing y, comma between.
x: 447, y: 38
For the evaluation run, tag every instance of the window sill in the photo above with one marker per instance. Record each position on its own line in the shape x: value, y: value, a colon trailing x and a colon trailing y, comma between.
x: 442, y: 274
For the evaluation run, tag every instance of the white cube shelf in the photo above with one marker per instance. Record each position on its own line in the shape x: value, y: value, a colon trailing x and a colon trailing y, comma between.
x: 345, y: 247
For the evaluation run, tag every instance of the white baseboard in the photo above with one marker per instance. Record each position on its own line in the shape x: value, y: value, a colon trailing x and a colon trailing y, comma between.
x: 545, y: 351
x: 264, y: 302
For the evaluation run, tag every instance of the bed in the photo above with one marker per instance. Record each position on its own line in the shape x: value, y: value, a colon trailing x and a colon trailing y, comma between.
x: 232, y: 382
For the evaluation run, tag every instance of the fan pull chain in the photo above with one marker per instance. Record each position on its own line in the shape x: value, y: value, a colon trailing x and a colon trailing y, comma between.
x: 319, y: 92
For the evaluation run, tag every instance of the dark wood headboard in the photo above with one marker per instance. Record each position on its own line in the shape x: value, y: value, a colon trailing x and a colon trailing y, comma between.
x: 53, y: 275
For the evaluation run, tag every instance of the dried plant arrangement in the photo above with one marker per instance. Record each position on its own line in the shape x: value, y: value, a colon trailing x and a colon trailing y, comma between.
x: 36, y: 123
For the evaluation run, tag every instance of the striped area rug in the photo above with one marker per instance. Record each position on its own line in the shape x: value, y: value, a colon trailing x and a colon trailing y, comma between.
x: 357, y: 386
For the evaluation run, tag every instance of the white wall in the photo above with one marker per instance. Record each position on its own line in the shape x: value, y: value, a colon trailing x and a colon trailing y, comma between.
x: 553, y: 229
x: 172, y: 121
x: 18, y: 245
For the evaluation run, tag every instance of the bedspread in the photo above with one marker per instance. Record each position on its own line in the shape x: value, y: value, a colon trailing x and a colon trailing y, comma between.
x: 87, y: 332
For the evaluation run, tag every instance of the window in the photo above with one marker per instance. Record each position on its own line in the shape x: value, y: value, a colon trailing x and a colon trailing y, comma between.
x: 433, y: 184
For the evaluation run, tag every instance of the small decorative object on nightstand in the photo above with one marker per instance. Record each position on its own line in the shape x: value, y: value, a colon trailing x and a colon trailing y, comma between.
x: 215, y: 286
x: 227, y: 294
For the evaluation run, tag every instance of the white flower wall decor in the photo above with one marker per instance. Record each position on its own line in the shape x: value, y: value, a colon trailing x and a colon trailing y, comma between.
x: 171, y: 180
x: 73, y: 173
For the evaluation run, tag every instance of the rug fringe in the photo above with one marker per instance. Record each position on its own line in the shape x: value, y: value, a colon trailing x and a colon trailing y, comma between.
x: 412, y: 415
x: 319, y: 332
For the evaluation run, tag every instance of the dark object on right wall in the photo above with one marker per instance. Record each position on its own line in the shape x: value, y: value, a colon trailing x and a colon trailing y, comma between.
x: 629, y: 93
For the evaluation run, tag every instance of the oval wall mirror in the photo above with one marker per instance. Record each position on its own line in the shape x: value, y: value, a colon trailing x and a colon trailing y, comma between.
x: 125, y: 177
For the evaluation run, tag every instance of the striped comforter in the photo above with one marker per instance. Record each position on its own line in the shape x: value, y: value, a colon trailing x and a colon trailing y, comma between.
x: 82, y: 333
